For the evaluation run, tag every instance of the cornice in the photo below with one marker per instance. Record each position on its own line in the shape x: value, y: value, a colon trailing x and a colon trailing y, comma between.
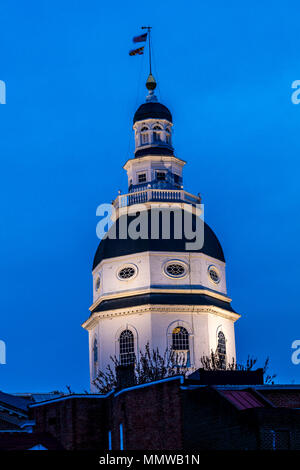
x: 158, y: 309
x: 154, y: 290
x: 154, y: 158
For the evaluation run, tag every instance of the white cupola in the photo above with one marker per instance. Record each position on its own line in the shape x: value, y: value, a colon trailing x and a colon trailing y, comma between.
x: 152, y: 289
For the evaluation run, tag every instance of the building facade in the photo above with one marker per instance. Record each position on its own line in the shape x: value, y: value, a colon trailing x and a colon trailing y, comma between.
x: 159, y: 275
x: 177, y: 414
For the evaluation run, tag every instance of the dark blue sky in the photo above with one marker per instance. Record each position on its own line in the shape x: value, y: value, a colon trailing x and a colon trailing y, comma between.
x: 225, y: 70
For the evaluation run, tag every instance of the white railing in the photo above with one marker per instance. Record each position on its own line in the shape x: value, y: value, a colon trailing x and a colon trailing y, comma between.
x: 155, y: 195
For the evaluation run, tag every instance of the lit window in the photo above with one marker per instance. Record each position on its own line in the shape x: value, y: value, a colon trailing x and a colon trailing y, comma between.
x: 160, y: 175
x: 126, y: 341
x: 180, y: 339
x: 222, y: 349
x: 142, y: 178
x: 180, y: 346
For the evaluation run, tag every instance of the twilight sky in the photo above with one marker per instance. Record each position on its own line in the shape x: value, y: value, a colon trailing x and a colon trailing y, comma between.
x: 225, y: 70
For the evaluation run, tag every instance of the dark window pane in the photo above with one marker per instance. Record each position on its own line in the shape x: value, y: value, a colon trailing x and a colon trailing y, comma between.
x: 127, y: 355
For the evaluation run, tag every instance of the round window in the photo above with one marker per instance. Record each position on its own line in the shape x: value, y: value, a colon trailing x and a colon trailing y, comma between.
x: 127, y: 272
x: 214, y: 274
x: 175, y: 269
x: 97, y: 284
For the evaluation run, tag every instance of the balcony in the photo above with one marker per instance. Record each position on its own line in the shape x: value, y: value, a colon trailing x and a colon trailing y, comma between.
x: 155, y: 195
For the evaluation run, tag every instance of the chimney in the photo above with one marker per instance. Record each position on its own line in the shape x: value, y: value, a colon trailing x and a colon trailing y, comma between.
x: 125, y: 376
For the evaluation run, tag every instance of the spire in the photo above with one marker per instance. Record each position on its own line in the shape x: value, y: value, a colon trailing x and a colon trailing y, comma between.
x: 151, y: 85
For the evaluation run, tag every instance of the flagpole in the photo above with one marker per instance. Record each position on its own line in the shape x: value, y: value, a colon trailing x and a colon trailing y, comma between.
x: 149, y: 33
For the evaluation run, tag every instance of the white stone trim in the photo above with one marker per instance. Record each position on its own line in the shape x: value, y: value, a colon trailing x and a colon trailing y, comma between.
x: 158, y: 309
x: 158, y: 290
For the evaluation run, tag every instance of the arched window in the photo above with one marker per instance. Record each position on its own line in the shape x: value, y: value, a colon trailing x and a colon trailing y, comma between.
x: 127, y: 355
x: 95, y: 357
x: 221, y: 349
x: 168, y: 136
x: 144, y: 135
x: 157, y: 133
x: 180, y: 346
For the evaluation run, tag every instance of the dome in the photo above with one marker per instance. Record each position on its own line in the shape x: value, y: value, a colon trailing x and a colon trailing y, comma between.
x: 111, y: 248
x: 152, y: 110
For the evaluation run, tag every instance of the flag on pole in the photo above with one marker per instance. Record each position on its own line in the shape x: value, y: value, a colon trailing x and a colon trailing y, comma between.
x: 141, y: 38
x: 138, y: 51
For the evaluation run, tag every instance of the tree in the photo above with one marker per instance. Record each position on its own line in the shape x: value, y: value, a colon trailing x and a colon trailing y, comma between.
x: 152, y: 366
x: 214, y: 362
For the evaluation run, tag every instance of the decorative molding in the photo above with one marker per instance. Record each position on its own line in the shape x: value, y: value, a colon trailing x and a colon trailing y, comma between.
x: 154, y: 290
x: 158, y: 309
x: 154, y: 158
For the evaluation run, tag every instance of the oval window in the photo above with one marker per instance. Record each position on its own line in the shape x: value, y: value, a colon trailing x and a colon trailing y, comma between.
x: 97, y: 284
x: 127, y: 272
x: 174, y: 269
x: 214, y: 274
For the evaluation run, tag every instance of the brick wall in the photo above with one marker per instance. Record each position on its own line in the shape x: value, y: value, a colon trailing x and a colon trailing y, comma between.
x: 164, y: 416
x: 211, y: 423
x: 283, y: 398
x: 151, y: 417
x: 77, y: 423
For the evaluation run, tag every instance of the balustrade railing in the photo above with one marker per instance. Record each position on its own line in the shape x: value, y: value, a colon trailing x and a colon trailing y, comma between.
x: 155, y: 195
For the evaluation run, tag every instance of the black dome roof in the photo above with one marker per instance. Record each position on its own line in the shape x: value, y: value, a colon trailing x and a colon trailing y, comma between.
x: 111, y: 248
x: 153, y: 110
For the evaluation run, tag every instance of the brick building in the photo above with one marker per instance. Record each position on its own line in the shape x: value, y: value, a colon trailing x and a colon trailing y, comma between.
x: 175, y: 414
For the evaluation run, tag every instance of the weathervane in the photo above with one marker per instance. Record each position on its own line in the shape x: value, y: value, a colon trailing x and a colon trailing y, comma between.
x: 151, y: 83
x: 148, y: 28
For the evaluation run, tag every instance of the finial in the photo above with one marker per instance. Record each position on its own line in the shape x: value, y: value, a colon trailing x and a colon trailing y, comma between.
x: 151, y: 85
